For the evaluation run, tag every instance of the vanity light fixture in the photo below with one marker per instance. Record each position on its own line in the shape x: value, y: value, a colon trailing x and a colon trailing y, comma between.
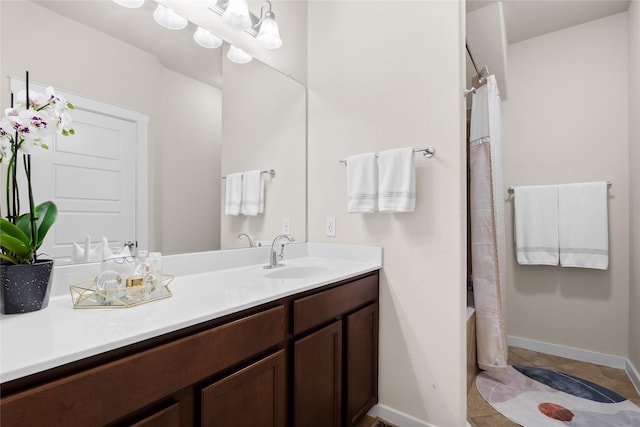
x: 269, y: 35
x: 236, y: 15
x: 169, y: 19
x: 238, y: 56
x: 131, y: 4
x: 206, y: 39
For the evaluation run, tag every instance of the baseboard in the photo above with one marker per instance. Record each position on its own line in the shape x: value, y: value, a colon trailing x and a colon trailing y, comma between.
x: 633, y: 375
x: 578, y: 354
x: 397, y: 417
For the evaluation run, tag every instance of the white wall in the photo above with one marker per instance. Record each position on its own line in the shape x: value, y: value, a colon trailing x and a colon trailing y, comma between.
x: 188, y: 169
x: 566, y: 120
x: 634, y: 161
x: 385, y: 75
x: 75, y: 58
x: 264, y: 127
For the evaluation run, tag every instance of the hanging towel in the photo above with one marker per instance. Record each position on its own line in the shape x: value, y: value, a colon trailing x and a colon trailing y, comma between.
x: 397, y: 181
x: 233, y: 196
x: 583, y: 225
x: 362, y: 183
x: 536, y: 223
x: 252, y: 193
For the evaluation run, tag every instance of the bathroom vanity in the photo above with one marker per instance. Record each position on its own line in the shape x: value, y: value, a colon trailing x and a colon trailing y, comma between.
x: 304, y: 356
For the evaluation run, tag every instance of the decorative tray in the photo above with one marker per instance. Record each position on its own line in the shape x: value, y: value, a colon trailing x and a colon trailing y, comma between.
x: 85, y: 294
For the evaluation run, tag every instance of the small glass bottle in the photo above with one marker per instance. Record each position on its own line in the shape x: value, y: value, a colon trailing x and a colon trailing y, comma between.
x: 155, y: 259
x: 143, y: 278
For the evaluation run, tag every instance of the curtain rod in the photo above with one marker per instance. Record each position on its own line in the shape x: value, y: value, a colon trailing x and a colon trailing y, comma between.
x: 471, y: 57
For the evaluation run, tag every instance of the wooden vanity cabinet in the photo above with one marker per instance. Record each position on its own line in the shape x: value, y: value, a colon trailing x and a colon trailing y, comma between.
x: 307, y: 360
x: 336, y: 354
x: 150, y: 387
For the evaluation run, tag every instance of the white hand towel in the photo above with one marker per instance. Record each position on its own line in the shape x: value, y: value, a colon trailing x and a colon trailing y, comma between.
x: 536, y: 224
x: 252, y: 193
x: 584, y: 228
x: 233, y: 196
x: 362, y: 183
x: 396, y: 181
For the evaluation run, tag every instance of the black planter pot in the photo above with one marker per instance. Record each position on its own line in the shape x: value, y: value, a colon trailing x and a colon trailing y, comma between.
x: 25, y: 287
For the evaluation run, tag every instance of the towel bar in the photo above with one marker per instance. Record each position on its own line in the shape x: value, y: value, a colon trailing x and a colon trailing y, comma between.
x: 271, y: 172
x: 426, y: 152
x: 510, y: 189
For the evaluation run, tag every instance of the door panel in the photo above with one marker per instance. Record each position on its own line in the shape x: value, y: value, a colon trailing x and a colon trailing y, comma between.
x: 90, y: 176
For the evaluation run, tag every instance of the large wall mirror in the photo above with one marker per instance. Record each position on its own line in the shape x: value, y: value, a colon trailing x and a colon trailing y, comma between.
x: 207, y: 117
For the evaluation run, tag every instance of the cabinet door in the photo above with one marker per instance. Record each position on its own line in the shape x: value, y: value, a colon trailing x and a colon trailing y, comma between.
x: 362, y: 362
x: 168, y: 417
x: 318, y: 378
x: 252, y: 397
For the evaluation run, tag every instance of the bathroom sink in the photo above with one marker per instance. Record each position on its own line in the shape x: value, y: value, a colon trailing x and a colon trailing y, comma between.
x: 298, y: 272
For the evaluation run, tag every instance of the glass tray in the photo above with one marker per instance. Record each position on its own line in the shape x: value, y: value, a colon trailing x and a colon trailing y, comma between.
x: 85, y: 294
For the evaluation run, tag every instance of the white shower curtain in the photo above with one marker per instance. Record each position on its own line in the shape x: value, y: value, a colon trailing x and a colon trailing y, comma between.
x: 487, y: 227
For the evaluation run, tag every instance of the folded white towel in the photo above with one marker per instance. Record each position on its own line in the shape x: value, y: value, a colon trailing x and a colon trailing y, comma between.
x: 252, y: 193
x: 536, y: 224
x: 362, y: 183
x: 396, y: 181
x: 233, y: 196
x: 584, y: 229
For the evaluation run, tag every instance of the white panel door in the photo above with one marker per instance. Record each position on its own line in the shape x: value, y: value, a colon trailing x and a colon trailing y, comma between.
x: 91, y: 177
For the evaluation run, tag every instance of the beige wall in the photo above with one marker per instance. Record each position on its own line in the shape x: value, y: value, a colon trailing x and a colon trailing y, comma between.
x: 188, y: 178
x: 386, y: 75
x: 634, y: 161
x: 264, y: 127
x: 75, y: 58
x: 566, y: 120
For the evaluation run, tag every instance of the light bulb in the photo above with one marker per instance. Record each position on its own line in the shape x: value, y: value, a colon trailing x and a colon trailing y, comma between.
x: 238, y: 56
x: 236, y: 15
x: 131, y: 4
x: 269, y: 36
x: 206, y: 39
x: 169, y: 19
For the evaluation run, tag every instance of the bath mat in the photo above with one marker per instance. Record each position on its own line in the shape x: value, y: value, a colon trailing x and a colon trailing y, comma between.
x: 537, y: 397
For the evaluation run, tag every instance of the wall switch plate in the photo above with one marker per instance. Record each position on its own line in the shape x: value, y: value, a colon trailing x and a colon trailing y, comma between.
x: 331, y: 226
x: 286, y: 226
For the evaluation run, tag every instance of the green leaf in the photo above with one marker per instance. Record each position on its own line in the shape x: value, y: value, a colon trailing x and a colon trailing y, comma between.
x: 6, y: 227
x: 45, y: 215
x: 13, y: 240
x: 70, y: 106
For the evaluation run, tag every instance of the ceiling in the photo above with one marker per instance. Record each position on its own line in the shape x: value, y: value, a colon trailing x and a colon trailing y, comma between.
x: 525, y: 19
x: 176, y: 50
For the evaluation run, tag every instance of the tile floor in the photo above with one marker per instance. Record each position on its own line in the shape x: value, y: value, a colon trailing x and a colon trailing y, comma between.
x: 481, y: 414
x: 368, y: 421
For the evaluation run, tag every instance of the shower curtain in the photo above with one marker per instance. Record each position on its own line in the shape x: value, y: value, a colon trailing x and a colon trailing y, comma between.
x: 488, y: 255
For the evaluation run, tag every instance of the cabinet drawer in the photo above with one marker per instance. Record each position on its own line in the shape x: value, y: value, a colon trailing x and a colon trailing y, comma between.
x: 116, y: 389
x: 323, y: 306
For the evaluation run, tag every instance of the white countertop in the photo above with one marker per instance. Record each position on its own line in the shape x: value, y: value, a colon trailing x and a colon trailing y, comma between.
x: 207, y: 286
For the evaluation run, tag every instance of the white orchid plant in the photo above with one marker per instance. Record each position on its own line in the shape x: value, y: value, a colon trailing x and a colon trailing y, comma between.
x: 26, y: 125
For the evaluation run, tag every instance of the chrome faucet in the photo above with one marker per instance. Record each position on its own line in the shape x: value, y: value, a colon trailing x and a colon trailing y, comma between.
x: 275, y: 258
x: 249, y: 238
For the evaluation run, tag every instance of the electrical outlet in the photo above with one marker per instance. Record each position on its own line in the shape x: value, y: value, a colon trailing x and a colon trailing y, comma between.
x: 331, y: 227
x: 286, y: 226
